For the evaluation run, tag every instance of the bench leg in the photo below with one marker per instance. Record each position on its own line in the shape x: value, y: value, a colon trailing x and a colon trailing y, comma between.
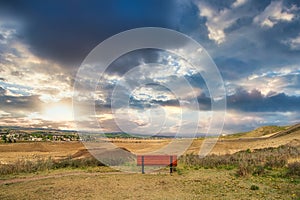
x: 143, y: 167
x: 171, y: 164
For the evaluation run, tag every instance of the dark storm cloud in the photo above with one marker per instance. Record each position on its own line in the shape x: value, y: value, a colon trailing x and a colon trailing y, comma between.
x: 191, y: 23
x: 254, y: 101
x: 196, y: 80
x: 65, y: 31
x: 275, y: 44
x: 19, y: 104
x: 2, y: 91
x: 137, y: 104
x: 133, y: 59
x: 204, y: 102
x: 172, y: 102
x: 234, y: 69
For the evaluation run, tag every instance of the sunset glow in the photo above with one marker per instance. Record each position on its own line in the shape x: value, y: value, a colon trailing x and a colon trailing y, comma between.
x: 59, y: 113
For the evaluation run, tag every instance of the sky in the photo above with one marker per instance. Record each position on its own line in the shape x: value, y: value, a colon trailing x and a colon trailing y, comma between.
x: 254, y: 44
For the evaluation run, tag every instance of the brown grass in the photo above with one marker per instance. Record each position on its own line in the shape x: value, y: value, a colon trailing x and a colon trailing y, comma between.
x: 30, y: 166
x: 247, y: 162
x: 194, y: 184
x: 59, y: 150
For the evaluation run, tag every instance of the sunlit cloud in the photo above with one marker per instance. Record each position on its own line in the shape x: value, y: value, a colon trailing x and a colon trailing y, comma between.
x: 218, y: 20
x: 274, y: 13
x: 239, y: 3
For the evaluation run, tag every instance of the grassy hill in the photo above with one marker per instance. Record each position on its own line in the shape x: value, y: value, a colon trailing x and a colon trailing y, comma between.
x: 259, y: 132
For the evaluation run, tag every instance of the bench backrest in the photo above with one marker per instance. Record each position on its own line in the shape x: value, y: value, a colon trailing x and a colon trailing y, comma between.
x: 157, y: 160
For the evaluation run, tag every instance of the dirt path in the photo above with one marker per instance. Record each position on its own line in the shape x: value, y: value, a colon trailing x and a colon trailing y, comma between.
x: 60, y: 175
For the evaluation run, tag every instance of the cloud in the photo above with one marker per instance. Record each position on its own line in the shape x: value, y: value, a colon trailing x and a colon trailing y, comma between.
x: 204, y: 102
x: 35, y: 123
x: 30, y: 111
x: 239, y: 100
x: 233, y: 68
x: 151, y: 92
x: 273, y: 14
x: 255, y: 45
x: 240, y: 37
x: 293, y: 43
x: 2, y: 91
x: 237, y: 121
x: 218, y: 19
x: 132, y: 59
x: 21, y: 105
x: 23, y: 73
x: 255, y: 101
x: 239, y: 3
x: 71, y: 30
x: 216, y: 22
x: 281, y: 79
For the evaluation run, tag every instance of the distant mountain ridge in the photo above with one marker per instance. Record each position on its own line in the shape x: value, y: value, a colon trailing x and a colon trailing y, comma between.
x: 261, y: 132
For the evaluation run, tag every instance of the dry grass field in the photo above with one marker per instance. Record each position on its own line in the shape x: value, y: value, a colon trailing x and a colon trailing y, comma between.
x: 58, y: 150
x: 193, y: 184
x: 33, y: 150
x: 186, y: 183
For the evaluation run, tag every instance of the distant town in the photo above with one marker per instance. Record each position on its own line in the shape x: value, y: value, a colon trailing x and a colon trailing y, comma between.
x: 13, y: 135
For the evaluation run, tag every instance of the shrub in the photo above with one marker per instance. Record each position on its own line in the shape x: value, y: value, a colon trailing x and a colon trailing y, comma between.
x: 77, y: 163
x: 247, y: 162
x: 26, y: 166
x: 293, y: 169
x: 277, y: 161
x: 29, y: 166
x: 254, y: 187
x: 259, y: 170
x: 244, y: 169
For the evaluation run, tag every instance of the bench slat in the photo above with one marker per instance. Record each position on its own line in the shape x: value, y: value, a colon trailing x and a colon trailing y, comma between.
x: 157, y: 160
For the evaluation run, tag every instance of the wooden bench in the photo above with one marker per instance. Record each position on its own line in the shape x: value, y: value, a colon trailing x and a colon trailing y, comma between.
x: 157, y: 160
